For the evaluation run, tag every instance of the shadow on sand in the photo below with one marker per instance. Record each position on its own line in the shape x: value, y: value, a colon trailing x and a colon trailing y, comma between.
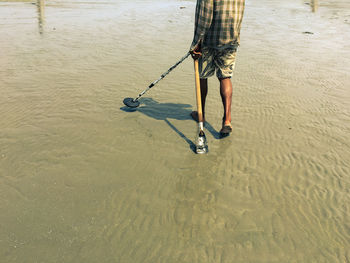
x: 166, y: 111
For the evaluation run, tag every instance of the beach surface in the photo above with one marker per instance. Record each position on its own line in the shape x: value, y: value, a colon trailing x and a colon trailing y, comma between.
x: 85, y: 179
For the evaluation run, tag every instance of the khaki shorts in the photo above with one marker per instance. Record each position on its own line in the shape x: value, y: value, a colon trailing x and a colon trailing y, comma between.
x: 220, y: 60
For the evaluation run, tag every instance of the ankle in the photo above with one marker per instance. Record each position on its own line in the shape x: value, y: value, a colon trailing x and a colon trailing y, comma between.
x: 226, y: 120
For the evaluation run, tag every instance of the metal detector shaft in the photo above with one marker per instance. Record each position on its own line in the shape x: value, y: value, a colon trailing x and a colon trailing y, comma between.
x: 162, y: 76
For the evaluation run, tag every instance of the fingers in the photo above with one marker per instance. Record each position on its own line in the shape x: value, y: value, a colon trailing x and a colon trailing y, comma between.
x: 196, y: 54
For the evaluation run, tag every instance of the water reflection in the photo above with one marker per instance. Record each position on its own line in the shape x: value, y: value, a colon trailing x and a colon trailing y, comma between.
x: 314, y: 5
x: 41, y: 15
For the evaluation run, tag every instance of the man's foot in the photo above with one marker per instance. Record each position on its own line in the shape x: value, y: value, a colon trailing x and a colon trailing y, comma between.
x: 194, y: 115
x: 226, y: 129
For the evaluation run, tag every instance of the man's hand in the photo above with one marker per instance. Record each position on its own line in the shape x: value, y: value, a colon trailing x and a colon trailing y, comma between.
x: 196, y: 53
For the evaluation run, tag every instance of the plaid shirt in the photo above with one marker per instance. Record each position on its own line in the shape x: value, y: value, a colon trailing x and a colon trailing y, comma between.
x: 218, y: 23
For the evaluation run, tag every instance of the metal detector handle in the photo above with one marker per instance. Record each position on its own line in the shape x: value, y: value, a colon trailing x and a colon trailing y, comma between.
x: 163, y: 75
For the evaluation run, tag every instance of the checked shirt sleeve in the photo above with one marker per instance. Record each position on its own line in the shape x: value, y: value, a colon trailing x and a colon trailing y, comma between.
x: 203, y: 20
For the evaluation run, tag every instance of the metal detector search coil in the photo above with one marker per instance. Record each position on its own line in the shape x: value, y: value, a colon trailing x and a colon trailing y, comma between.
x: 130, y: 102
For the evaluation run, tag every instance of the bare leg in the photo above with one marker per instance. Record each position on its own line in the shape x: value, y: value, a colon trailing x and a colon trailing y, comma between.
x: 204, y: 92
x: 226, y: 97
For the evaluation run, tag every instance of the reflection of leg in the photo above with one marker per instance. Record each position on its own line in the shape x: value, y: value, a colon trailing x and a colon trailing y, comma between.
x: 226, y: 96
x: 314, y: 4
x: 41, y: 17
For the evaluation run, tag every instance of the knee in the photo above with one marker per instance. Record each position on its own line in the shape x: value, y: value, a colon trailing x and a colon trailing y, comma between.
x: 224, y: 79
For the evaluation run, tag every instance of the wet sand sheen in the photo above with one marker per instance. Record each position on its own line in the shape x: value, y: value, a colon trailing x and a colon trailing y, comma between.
x: 84, y: 180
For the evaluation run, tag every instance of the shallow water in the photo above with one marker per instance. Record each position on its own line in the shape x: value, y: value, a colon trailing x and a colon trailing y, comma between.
x: 83, y: 179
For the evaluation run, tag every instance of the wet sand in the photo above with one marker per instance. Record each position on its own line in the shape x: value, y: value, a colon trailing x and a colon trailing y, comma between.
x: 83, y: 179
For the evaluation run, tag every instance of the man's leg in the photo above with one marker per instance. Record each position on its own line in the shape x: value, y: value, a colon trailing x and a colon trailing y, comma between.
x: 204, y: 92
x: 226, y: 97
x: 225, y: 61
x: 206, y: 70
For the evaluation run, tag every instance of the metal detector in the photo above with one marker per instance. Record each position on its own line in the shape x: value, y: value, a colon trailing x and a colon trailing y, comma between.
x: 134, y: 102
